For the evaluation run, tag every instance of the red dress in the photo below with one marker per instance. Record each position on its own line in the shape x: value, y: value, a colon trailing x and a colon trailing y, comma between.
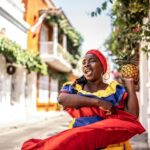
x: 109, y: 130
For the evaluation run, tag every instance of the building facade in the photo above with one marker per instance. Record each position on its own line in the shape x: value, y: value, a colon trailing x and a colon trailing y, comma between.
x: 23, y: 93
x: 52, y: 42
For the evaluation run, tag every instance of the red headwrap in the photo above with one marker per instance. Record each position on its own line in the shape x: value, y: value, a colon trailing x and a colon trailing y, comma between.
x: 100, y: 56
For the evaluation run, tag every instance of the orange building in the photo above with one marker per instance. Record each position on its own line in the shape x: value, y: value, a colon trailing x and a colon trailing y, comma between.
x: 53, y: 37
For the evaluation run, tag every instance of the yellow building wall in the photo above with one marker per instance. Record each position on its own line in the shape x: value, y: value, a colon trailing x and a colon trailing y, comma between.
x: 32, y: 8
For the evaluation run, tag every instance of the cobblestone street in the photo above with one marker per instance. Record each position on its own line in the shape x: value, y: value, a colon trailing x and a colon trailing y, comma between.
x: 14, y: 137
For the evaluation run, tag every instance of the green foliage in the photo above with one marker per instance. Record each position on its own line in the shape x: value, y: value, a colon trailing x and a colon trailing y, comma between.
x: 129, y: 27
x: 70, y: 58
x: 74, y: 39
x: 15, y: 54
x: 66, y: 28
x: 100, y: 9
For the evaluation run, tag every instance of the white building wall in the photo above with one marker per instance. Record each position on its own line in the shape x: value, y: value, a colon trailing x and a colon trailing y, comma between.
x: 5, y: 90
x: 13, y: 32
x: 11, y: 19
x: 31, y: 92
x: 17, y: 91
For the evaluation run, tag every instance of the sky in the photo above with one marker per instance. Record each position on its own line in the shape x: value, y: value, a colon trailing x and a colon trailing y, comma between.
x: 93, y: 30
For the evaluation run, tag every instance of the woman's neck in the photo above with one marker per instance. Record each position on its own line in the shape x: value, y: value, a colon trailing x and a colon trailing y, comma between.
x: 95, y: 86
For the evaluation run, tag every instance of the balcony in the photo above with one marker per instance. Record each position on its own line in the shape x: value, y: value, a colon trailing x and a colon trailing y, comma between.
x: 55, y: 56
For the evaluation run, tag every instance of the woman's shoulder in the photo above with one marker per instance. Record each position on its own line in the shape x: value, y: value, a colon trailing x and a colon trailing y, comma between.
x: 113, y: 84
x: 69, y: 87
x: 112, y: 88
x: 76, y: 86
x: 68, y: 83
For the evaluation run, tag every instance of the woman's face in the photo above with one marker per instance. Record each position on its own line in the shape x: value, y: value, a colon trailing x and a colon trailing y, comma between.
x: 92, y: 68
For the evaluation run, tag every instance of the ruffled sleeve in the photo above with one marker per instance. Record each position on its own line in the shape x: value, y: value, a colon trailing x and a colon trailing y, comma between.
x: 68, y: 88
x: 117, y: 95
x: 120, y: 96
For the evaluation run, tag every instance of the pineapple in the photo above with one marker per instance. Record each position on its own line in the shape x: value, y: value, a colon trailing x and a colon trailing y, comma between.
x: 130, y: 71
x: 128, y: 67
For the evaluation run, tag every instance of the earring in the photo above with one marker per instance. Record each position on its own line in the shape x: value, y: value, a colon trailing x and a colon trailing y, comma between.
x: 106, y: 76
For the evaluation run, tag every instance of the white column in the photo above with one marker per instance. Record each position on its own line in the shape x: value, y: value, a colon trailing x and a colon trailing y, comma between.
x: 54, y: 90
x: 18, y: 86
x: 5, y: 90
x: 148, y: 109
x: 148, y: 85
x: 30, y: 92
x: 143, y: 101
x: 55, y: 38
x: 64, y: 42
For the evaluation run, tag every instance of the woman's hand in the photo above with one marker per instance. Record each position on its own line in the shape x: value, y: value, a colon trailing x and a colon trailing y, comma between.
x: 106, y: 106
x: 127, y: 82
x: 62, y: 95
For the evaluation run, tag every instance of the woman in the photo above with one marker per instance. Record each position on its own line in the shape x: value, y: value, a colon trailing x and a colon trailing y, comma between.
x: 104, y: 114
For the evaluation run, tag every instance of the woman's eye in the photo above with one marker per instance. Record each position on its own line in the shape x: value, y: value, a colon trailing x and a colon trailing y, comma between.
x: 92, y: 60
x: 83, y: 63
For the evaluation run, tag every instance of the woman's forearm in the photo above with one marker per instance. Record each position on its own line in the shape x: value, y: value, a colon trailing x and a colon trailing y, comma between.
x: 76, y: 101
x: 132, y: 103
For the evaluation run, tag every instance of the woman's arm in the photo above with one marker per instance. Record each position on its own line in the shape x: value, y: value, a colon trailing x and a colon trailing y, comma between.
x: 77, y: 101
x: 132, y: 101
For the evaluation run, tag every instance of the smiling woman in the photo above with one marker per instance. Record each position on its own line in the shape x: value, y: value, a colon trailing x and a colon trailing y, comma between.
x: 104, y: 114
x: 94, y: 63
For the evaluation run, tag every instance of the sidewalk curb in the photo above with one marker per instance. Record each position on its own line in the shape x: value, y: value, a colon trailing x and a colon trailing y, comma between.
x: 139, y: 142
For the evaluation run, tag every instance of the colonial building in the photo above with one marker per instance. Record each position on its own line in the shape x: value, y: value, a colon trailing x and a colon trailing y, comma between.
x: 55, y: 39
x: 44, y: 30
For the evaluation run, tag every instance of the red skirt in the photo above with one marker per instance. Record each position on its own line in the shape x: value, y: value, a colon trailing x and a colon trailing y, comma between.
x: 114, y: 129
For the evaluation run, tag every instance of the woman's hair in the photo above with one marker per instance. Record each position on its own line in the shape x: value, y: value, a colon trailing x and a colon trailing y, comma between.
x: 82, y: 80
